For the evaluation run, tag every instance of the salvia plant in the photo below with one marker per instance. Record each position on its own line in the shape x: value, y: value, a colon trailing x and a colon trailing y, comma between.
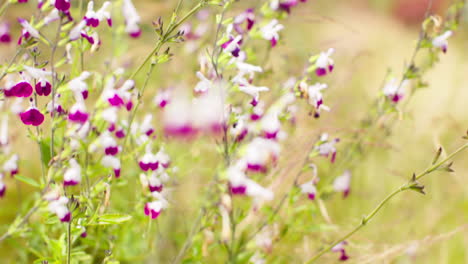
x: 110, y: 149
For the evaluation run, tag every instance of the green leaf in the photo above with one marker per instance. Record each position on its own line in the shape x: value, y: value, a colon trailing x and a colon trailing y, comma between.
x: 45, y: 151
x: 112, y: 219
x: 27, y: 180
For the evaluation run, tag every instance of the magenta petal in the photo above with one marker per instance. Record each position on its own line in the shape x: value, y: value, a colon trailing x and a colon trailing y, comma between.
x: 70, y: 183
x: 156, y: 188
x: 154, y: 214
x: 66, y: 218
x: 43, y: 90
x: 111, y: 151
x: 116, y: 101
x: 239, y: 190
x: 2, y: 191
x: 143, y: 166
x: 321, y: 71
x: 32, y: 117
x: 273, y: 42
x: 62, y: 5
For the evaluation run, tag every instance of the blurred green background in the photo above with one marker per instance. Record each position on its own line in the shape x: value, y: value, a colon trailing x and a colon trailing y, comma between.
x: 370, y: 37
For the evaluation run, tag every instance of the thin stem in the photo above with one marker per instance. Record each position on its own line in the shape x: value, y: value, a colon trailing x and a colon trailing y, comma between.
x: 4, y: 7
x: 400, y: 189
x: 69, y: 242
x: 166, y: 36
x: 188, y: 241
x: 54, y: 89
x: 5, y: 72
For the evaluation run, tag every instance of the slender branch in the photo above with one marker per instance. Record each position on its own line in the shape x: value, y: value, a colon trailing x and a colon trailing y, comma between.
x: 166, y: 36
x: 404, y: 187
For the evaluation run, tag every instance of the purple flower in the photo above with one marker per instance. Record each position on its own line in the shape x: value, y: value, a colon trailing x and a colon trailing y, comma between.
x: 62, y: 5
x: 21, y: 89
x: 32, y: 116
x: 78, y: 113
x: 43, y: 88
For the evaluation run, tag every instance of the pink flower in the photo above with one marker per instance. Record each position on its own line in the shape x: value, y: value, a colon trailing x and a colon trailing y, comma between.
x: 78, y: 113
x: 441, y: 41
x: 148, y: 162
x: 309, y: 189
x: 5, y: 36
x: 155, y: 184
x: 11, y: 165
x: 323, y: 64
x: 28, y: 31
x: 93, y: 18
x: 232, y: 46
x: 343, y: 183
x: 112, y: 162
x: 154, y: 209
x: 59, y: 207
x: 340, y: 248
x: 394, y: 90
x: 32, y: 116
x: 327, y: 148
x: 270, y: 31
x: 132, y: 19
x: 72, y: 175
x: 259, y: 153
x: 2, y: 186
x: 247, y: 17
x: 162, y: 98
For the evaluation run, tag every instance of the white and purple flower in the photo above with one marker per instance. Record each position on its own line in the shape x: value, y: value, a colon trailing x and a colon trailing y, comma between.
x: 72, y: 175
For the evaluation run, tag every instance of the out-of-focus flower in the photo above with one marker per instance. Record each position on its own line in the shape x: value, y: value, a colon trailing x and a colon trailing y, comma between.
x: 259, y: 153
x: 313, y: 93
x: 112, y: 162
x: 309, y: 189
x: 72, y: 175
x: 343, y: 183
x: 441, y: 41
x: 78, y: 85
x: 394, y: 90
x: 247, y: 17
x: 162, y: 98
x: 28, y: 31
x: 11, y: 165
x: 323, y: 64
x: 59, y: 207
x: 340, y: 248
x: 2, y: 186
x: 326, y: 147
x: 5, y: 36
x: 154, y: 209
x: 270, y: 31
x: 93, y: 18
x: 232, y: 46
x: 132, y: 19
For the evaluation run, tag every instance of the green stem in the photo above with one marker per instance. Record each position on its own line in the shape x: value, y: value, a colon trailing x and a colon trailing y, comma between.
x: 400, y: 189
x: 69, y: 242
x: 166, y: 36
x: 4, y: 7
